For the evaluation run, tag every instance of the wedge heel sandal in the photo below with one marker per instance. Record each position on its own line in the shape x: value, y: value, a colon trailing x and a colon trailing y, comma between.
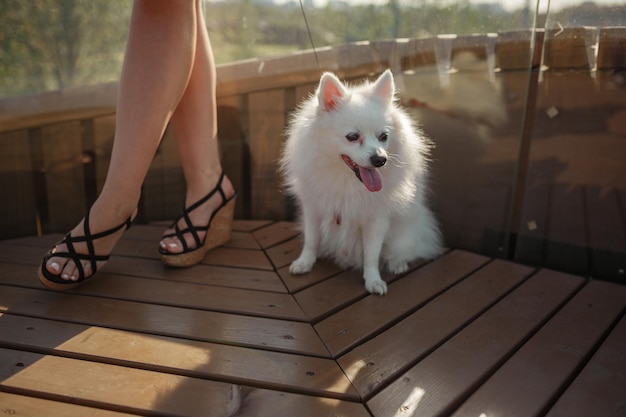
x: 217, y: 232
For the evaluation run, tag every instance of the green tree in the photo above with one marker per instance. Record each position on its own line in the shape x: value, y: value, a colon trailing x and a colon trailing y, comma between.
x: 54, y: 44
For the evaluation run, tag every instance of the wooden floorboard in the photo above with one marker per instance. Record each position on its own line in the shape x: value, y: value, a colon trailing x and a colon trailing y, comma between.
x: 462, y: 335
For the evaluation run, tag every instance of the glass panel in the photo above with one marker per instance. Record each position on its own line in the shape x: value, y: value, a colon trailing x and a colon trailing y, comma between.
x: 573, y: 214
x: 470, y: 99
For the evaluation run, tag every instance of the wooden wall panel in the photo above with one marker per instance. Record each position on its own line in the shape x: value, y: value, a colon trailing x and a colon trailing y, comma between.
x: 266, y: 115
x: 18, y: 210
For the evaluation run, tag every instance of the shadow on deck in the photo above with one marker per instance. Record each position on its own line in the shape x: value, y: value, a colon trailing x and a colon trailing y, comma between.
x: 463, y: 335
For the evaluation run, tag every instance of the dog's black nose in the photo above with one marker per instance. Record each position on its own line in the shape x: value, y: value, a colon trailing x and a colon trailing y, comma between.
x: 378, y: 160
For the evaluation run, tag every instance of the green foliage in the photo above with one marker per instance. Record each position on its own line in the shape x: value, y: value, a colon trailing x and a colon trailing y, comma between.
x: 54, y: 44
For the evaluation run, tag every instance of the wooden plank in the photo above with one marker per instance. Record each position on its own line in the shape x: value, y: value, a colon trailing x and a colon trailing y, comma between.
x: 42, y: 242
x: 148, y: 232
x: 116, y: 387
x: 226, y: 276
x: 570, y: 48
x: 555, y: 353
x: 373, y: 313
x: 304, y: 91
x: 321, y: 271
x: 436, y: 384
x: 476, y: 44
x: 88, y: 159
x: 104, y: 132
x: 276, y: 233
x: 513, y: 50
x: 599, y: 389
x: 63, y: 167
x: 163, y: 189
x: 23, y: 406
x: 266, y: 124
x: 241, y: 258
x: 611, y: 48
x: 241, y: 240
x: 420, y: 53
x: 285, y: 253
x: 37, y: 160
x: 148, y: 248
x: 348, y: 61
x: 264, y: 333
x: 234, y: 153
x: 272, y: 370
x: 172, y: 293
x: 137, y: 249
x: 262, y: 403
x: 376, y: 362
x: 152, y: 234
x: 198, y: 296
x: 17, y: 214
x: 140, y: 391
x: 331, y: 290
x: 249, y: 225
x: 239, y: 225
x: 11, y: 254
x: 57, y: 106
x: 331, y: 295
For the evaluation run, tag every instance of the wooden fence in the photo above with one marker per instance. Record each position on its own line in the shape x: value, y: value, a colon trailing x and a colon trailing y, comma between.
x: 530, y: 133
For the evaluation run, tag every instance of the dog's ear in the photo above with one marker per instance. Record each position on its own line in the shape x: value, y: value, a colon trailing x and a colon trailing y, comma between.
x: 384, y: 87
x: 330, y: 91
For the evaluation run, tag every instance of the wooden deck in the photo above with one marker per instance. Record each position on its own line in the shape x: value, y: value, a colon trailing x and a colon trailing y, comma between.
x: 463, y: 335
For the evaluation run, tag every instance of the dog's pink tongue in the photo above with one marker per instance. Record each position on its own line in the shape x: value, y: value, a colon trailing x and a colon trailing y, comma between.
x: 371, y: 179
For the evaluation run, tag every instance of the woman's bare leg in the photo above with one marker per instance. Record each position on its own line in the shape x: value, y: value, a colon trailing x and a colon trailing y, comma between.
x: 194, y: 125
x: 157, y: 68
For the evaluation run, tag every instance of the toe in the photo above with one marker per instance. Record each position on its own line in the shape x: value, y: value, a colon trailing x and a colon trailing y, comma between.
x: 69, y: 271
x: 54, y: 266
x: 171, y: 245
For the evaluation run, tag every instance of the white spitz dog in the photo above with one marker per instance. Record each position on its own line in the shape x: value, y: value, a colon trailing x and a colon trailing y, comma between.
x: 357, y: 166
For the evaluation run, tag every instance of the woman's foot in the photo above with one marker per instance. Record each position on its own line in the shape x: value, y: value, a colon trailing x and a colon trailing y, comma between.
x: 179, y: 239
x: 105, y: 227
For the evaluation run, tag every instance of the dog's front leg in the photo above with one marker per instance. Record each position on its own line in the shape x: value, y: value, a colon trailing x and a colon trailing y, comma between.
x: 307, y: 257
x: 373, y: 237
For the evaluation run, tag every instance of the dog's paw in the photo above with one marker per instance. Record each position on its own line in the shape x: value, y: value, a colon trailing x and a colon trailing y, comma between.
x: 374, y: 284
x: 376, y: 287
x: 398, y: 268
x: 304, y: 263
x: 301, y: 266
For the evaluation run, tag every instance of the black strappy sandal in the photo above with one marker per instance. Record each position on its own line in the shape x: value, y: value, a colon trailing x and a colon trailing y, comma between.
x: 218, y: 230
x: 55, y: 282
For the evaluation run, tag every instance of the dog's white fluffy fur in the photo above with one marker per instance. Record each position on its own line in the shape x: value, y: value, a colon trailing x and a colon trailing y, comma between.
x: 358, y: 167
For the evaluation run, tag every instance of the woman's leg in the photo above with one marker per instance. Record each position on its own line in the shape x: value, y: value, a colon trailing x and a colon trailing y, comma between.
x: 194, y: 124
x: 157, y: 67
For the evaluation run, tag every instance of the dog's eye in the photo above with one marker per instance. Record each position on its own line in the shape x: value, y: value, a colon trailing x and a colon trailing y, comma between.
x: 383, y: 137
x: 353, y: 136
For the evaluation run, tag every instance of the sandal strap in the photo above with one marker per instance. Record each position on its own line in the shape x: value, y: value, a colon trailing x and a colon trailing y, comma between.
x: 88, y: 239
x: 189, y: 226
x: 218, y: 188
